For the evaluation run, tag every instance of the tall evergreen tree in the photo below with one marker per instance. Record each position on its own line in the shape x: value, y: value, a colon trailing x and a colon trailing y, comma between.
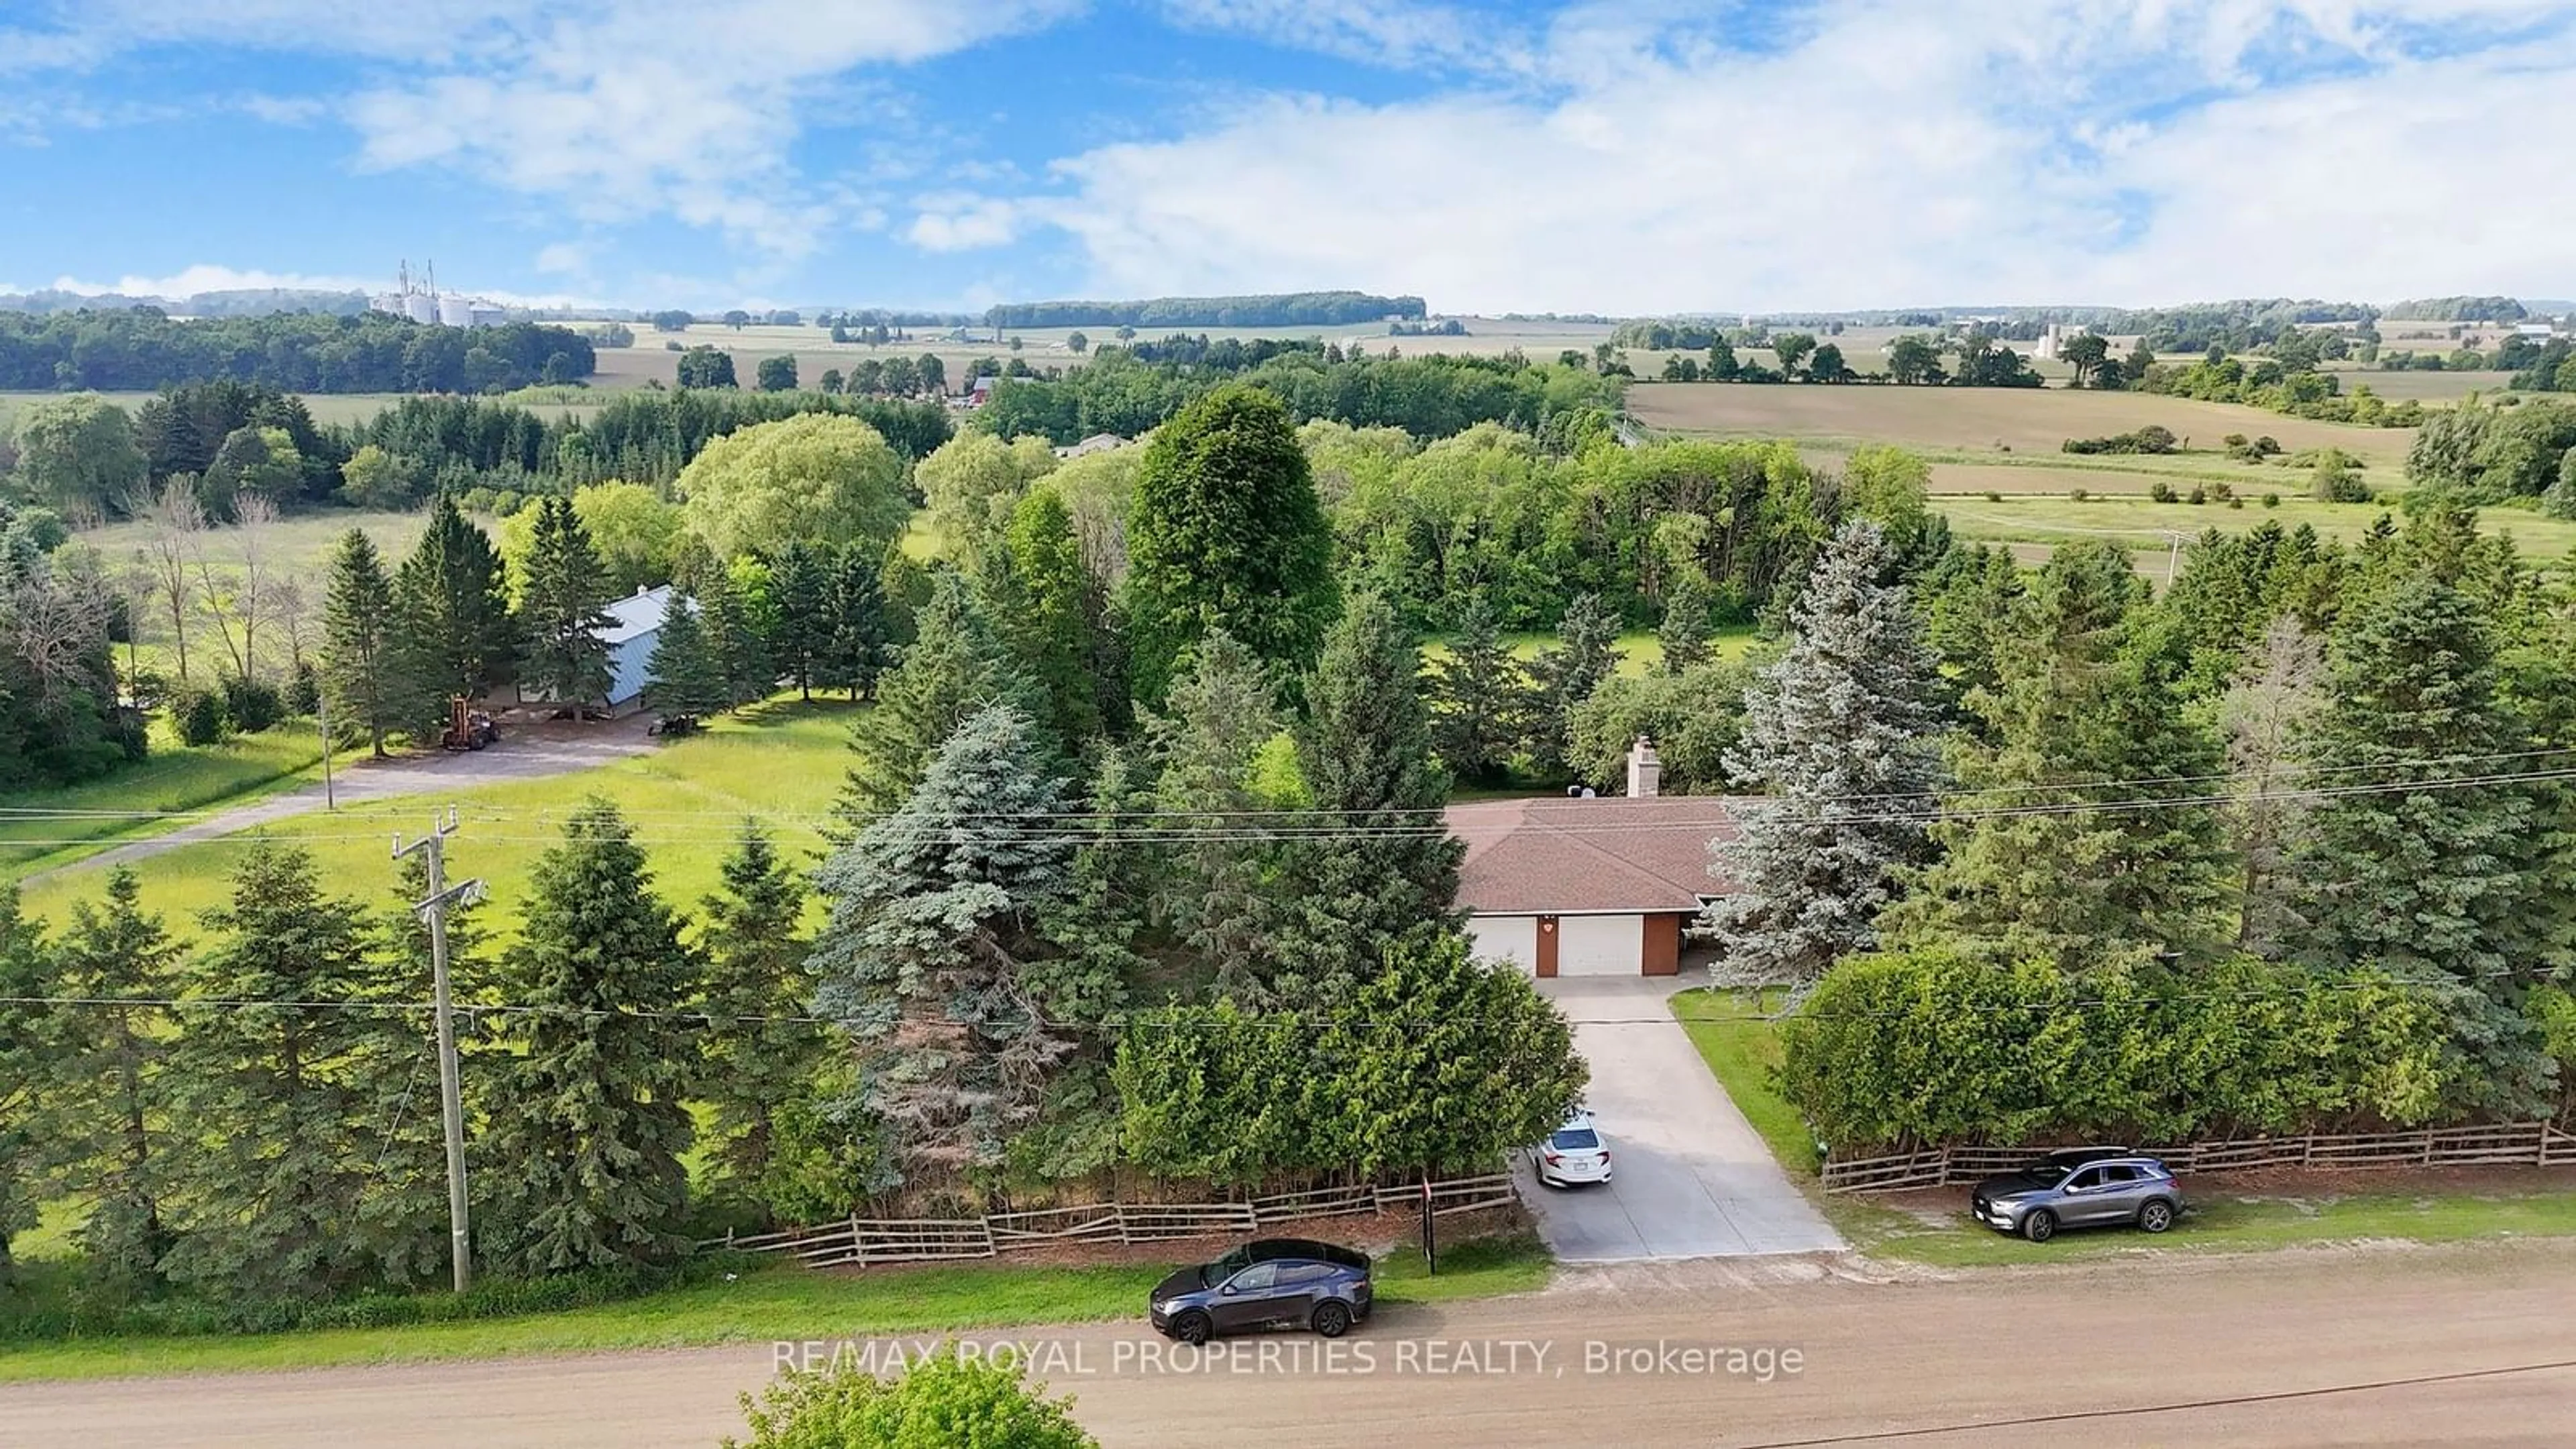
x: 28, y: 1058
x: 684, y: 675
x: 1366, y: 757
x: 563, y: 614
x: 2088, y: 715
x: 455, y: 635
x: 593, y: 1114
x: 1216, y: 891
x: 1586, y: 653
x: 1225, y: 531
x: 735, y: 639
x: 1481, y: 700
x: 801, y: 590
x: 1055, y: 616
x: 953, y: 668
x: 362, y: 671
x: 269, y: 1195
x: 1844, y: 732
x: 1684, y: 635
x: 105, y: 1124
x: 757, y: 1062
x: 2427, y: 880
x: 860, y: 645
x: 928, y: 949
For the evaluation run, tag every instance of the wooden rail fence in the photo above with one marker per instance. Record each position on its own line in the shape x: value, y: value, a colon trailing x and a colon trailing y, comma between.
x: 861, y: 1242
x: 2517, y: 1144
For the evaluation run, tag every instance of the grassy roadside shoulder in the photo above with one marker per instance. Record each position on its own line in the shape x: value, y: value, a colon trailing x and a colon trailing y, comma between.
x: 760, y: 1305
x: 112, y: 811
x: 1737, y: 1037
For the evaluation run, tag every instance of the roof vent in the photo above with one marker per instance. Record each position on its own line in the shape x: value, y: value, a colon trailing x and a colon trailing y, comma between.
x: 1645, y: 772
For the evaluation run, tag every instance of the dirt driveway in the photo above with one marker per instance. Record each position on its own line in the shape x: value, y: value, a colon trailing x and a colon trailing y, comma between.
x: 1689, y: 1176
x: 2388, y: 1346
x: 524, y: 752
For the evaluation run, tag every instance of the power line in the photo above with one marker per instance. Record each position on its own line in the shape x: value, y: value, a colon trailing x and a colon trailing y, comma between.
x: 1433, y: 829
x: 1160, y: 1017
x: 496, y: 812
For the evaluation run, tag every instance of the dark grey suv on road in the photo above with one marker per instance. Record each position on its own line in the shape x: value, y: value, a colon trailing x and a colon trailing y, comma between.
x: 1267, y: 1283
x: 2082, y: 1187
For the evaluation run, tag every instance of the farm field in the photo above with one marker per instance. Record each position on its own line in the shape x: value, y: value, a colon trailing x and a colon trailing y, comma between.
x: 2019, y: 421
x: 782, y: 762
x: 2427, y: 387
x: 2148, y: 526
x: 1046, y: 347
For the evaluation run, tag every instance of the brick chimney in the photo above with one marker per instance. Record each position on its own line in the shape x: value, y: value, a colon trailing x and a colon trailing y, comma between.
x: 1645, y: 772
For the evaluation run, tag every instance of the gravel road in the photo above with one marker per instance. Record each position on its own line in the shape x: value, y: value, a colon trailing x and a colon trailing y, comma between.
x: 2368, y: 1346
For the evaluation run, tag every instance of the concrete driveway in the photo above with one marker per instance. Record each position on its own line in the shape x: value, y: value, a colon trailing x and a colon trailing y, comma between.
x: 1689, y: 1177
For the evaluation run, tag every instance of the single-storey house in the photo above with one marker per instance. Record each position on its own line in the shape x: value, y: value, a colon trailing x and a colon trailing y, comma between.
x: 1590, y: 887
x: 635, y: 623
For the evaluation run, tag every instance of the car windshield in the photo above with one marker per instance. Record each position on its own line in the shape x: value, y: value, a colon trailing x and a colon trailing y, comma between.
x: 1574, y: 1138
x: 1225, y: 1267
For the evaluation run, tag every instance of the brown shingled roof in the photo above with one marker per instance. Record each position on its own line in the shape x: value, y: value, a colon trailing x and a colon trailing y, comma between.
x: 1554, y: 856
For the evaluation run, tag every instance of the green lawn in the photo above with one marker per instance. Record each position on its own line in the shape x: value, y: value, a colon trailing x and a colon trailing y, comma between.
x: 2228, y: 1224
x: 172, y: 777
x: 1640, y: 651
x: 782, y: 762
x: 1742, y: 1048
x: 774, y: 1302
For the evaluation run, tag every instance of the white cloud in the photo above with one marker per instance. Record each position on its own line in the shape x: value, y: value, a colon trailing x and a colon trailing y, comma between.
x: 679, y: 107
x: 1375, y: 32
x: 210, y: 277
x: 214, y: 277
x: 952, y: 223
x: 573, y: 257
x: 1887, y: 153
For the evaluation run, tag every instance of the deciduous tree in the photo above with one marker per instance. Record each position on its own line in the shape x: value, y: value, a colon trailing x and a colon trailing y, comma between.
x: 1226, y: 532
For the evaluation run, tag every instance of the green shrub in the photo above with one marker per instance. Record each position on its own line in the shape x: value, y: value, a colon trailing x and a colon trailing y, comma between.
x: 252, y: 704
x: 1994, y: 497
x: 2199, y: 494
x: 2078, y: 495
x: 198, y: 716
x: 1936, y: 1046
x: 2271, y: 500
x: 952, y: 1397
x: 2160, y: 491
x: 304, y: 692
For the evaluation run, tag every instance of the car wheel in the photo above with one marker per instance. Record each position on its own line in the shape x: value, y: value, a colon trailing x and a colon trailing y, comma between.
x: 2040, y: 1226
x: 2156, y: 1216
x: 1332, y: 1320
x: 1192, y: 1328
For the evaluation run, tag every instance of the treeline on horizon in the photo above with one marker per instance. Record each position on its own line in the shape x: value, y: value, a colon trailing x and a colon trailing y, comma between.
x: 140, y: 349
x: 1288, y: 309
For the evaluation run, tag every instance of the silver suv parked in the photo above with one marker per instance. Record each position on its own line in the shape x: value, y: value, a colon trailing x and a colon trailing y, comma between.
x: 2081, y: 1187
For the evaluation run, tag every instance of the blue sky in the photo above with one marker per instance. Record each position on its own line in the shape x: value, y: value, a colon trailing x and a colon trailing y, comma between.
x: 1642, y: 156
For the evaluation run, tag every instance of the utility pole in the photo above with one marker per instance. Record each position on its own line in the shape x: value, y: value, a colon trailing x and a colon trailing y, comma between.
x: 451, y: 1101
x: 322, y: 719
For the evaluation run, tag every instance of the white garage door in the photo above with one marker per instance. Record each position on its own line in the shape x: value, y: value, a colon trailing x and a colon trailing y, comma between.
x: 1601, y: 946
x: 1509, y: 938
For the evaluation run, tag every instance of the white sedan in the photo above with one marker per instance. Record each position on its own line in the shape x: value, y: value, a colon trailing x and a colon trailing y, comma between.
x: 1574, y: 1153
